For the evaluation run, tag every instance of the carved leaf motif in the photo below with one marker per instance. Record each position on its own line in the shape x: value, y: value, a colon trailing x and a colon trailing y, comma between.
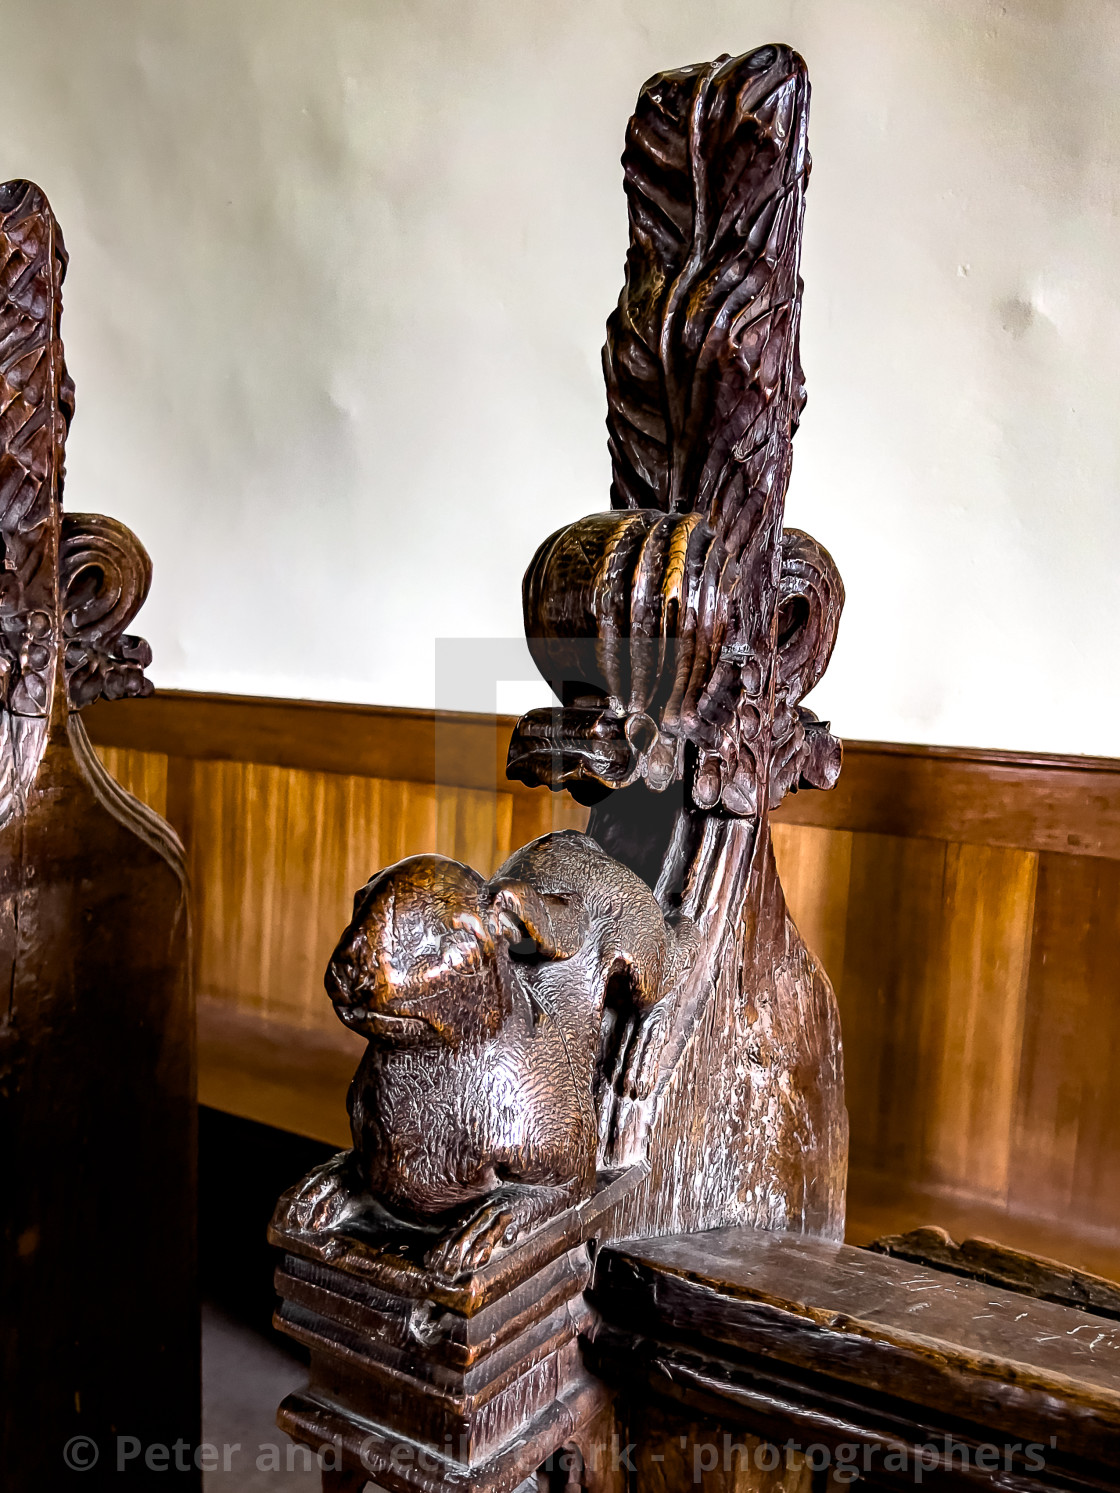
x: 36, y: 399
x: 704, y: 390
x: 704, y: 384
x: 105, y: 574
x: 77, y: 581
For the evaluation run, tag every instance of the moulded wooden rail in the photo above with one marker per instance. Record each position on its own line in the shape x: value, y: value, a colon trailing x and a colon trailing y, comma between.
x: 919, y: 1372
x: 1029, y: 801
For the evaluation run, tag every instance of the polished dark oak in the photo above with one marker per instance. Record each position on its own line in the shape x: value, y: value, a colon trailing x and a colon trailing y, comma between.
x: 98, y: 1294
x: 796, y: 1339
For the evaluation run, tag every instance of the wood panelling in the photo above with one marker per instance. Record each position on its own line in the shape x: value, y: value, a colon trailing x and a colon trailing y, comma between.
x: 276, y: 855
x: 142, y: 773
x: 1069, y: 805
x: 965, y: 904
x: 972, y: 1030
x: 373, y: 741
x: 816, y: 866
x: 1067, y: 1119
x: 931, y: 991
x: 289, y: 1077
x: 885, y: 987
x: 979, y: 992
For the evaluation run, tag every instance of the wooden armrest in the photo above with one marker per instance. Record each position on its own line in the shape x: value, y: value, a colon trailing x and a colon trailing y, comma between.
x: 1000, y: 1265
x: 790, y: 1335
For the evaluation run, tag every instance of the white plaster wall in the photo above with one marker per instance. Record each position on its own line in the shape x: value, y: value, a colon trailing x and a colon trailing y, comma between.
x: 340, y: 270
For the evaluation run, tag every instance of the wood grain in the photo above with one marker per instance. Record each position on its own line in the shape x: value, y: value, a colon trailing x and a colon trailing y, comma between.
x: 1021, y: 800
x: 143, y: 774
x: 1067, y: 1130
x: 973, y: 1030
x: 778, y: 1334
x: 815, y: 867
x: 1002, y: 1265
x: 888, y: 982
x: 1025, y: 801
x: 928, y: 946
x: 978, y: 984
x: 98, y: 1260
x: 797, y: 1299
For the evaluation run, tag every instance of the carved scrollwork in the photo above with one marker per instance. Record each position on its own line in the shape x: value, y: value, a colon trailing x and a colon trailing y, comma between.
x: 68, y: 585
x: 622, y: 614
x: 36, y: 401
x: 627, y: 617
x: 704, y: 384
x: 805, y: 754
x: 638, y: 996
x: 105, y: 573
x: 666, y: 628
x: 74, y: 582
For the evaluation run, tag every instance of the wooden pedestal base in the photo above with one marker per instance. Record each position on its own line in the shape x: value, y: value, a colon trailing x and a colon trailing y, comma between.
x: 418, y: 1382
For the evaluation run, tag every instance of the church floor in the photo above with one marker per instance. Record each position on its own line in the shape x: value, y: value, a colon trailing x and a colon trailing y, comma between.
x: 244, y: 1378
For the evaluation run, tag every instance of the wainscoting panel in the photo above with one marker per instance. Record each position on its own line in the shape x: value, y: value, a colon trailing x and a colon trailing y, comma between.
x: 277, y: 854
x: 1067, y: 1114
x: 965, y: 904
x: 144, y: 774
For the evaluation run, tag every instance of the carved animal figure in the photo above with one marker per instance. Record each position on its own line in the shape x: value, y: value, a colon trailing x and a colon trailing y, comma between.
x: 683, y: 630
x: 484, y: 1007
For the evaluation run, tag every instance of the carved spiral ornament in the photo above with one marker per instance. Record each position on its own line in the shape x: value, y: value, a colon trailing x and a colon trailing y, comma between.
x: 70, y: 584
x: 105, y: 574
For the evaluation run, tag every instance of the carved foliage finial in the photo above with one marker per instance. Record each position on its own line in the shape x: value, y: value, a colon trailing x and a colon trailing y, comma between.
x: 34, y: 412
x: 701, y: 359
x: 67, y: 585
x: 660, y: 626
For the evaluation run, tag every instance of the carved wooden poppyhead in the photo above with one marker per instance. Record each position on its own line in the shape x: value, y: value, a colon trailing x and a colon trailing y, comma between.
x: 426, y: 956
x: 69, y: 584
x: 681, y: 630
